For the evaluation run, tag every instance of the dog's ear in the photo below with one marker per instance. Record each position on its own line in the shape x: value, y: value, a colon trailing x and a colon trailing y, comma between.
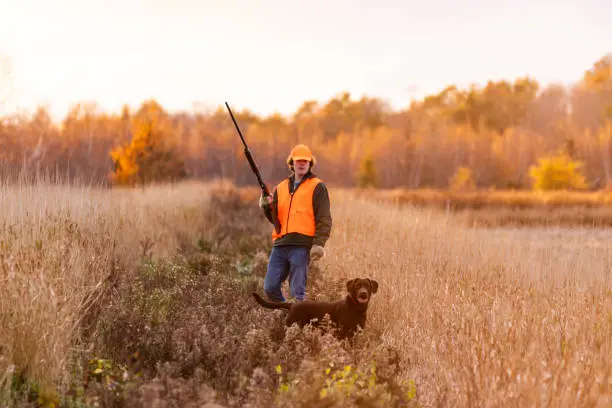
x: 373, y: 285
x: 349, y: 285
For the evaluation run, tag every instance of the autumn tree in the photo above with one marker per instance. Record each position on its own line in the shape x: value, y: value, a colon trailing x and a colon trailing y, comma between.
x: 592, y: 97
x: 497, y: 106
x: 498, y: 130
x: 558, y: 172
x: 367, y: 176
x: 548, y: 113
x: 462, y: 180
x: 604, y: 141
x: 152, y: 154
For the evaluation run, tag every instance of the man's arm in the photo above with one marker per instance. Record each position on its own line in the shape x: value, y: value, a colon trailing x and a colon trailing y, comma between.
x: 322, y: 212
x: 267, y: 209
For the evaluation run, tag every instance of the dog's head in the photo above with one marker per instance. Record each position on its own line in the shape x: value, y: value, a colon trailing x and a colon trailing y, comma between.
x: 361, y: 289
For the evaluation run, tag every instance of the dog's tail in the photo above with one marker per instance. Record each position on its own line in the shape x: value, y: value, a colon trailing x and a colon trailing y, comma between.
x: 271, y: 305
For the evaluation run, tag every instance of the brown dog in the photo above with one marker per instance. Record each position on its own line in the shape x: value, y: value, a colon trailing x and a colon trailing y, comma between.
x: 347, y: 315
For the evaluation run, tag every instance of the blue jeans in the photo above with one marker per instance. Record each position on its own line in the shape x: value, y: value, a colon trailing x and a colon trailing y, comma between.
x: 287, y: 261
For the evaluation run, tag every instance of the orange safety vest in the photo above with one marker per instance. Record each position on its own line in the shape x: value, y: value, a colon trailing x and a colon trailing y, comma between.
x: 295, y: 211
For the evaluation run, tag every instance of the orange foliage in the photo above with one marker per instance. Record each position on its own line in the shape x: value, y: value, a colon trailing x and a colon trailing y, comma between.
x: 498, y: 130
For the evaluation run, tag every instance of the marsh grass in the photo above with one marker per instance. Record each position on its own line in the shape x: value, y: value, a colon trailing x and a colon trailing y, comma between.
x: 482, y: 321
x: 60, y: 248
x: 478, y: 199
x: 463, y: 317
x: 495, y: 208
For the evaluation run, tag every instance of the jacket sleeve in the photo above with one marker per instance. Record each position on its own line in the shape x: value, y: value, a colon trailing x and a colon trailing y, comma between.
x: 267, y: 210
x: 322, y: 212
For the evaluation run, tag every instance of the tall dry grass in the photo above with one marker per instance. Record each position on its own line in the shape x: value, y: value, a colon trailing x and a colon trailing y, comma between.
x: 517, y: 208
x: 482, y: 317
x: 61, y: 245
x: 479, y: 199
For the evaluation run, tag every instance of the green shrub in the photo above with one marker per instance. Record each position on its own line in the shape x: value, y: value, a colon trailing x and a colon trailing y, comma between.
x: 348, y: 385
x: 367, y: 176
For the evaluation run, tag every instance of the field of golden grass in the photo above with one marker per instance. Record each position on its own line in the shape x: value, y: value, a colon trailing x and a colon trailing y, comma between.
x: 494, y: 208
x: 517, y: 321
x: 477, y: 199
x: 61, y: 247
x: 475, y: 316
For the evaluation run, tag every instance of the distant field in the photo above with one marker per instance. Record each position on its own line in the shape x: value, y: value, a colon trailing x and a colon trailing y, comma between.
x: 513, y: 208
x: 495, y: 198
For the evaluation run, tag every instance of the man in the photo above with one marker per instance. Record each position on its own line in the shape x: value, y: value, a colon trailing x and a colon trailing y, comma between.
x: 302, y: 207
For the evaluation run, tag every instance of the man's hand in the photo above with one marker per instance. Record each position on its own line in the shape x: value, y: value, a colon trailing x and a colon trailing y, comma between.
x: 265, y: 201
x: 316, y: 252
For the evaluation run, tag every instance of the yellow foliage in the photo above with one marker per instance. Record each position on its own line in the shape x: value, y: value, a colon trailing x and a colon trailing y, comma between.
x: 463, y: 179
x: 557, y: 173
x: 345, y: 385
x: 126, y: 167
x: 150, y: 156
x: 366, y: 176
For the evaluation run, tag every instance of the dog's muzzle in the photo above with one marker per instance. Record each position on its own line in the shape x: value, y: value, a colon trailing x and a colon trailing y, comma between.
x: 363, y: 296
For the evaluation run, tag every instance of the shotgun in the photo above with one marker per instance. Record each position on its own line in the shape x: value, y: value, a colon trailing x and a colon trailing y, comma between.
x: 264, y: 188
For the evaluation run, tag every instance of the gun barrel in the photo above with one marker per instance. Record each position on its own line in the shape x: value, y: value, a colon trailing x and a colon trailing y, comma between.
x: 237, y: 127
x: 249, y: 157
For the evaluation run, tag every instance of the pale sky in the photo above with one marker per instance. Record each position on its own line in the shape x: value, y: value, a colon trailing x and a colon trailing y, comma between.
x: 271, y: 55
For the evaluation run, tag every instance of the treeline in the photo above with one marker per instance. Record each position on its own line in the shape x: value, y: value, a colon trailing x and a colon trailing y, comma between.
x: 491, y: 134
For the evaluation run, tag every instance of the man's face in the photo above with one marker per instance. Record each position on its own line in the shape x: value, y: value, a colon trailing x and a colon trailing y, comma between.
x: 301, y: 167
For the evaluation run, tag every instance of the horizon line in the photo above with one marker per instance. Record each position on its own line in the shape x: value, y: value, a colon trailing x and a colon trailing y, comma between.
x: 208, y: 107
